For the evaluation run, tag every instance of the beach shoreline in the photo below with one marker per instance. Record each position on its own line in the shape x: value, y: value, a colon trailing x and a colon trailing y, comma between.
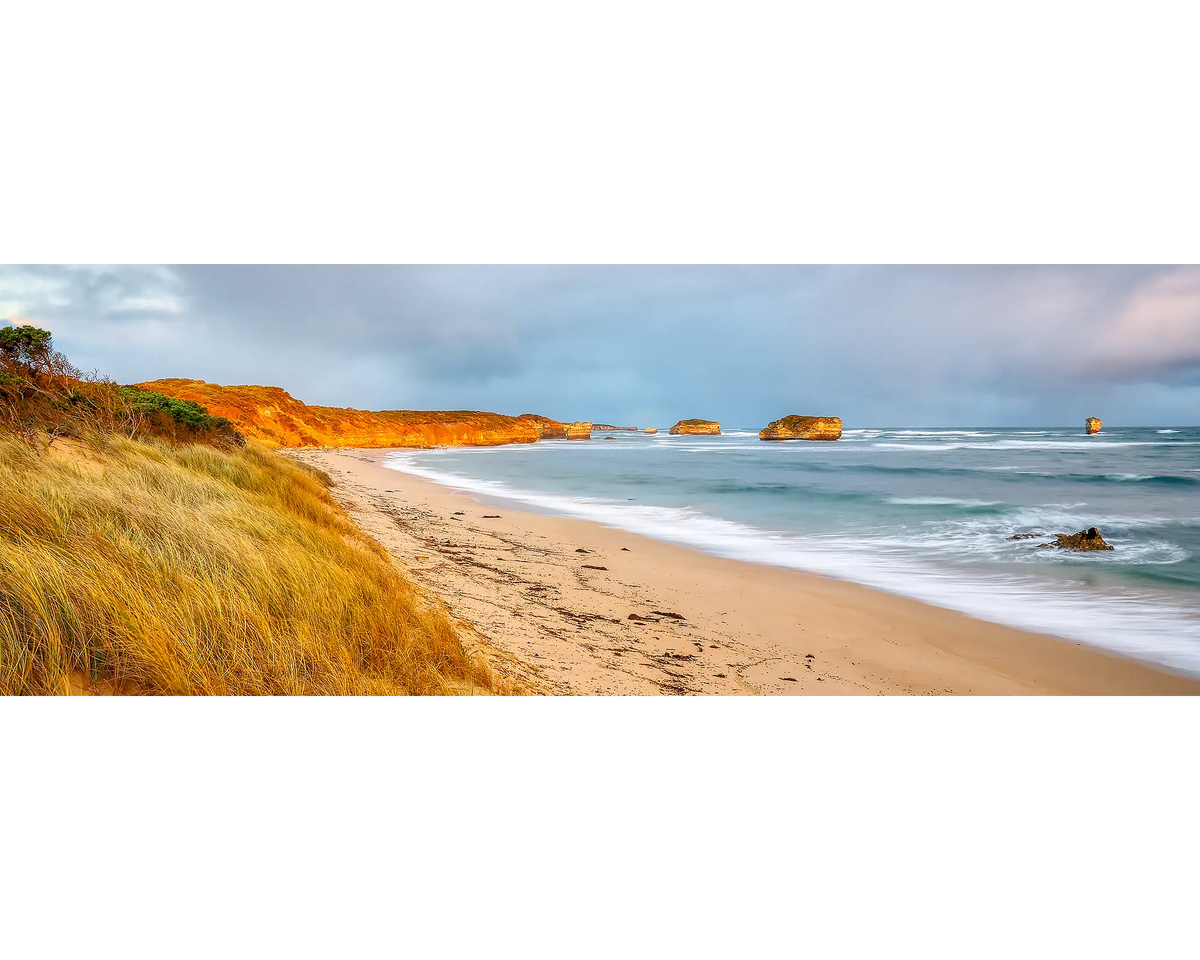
x: 569, y: 606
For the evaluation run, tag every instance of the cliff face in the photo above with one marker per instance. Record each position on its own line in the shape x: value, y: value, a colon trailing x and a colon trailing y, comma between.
x: 698, y: 427
x: 274, y: 418
x: 802, y: 428
x: 547, y: 429
x: 580, y: 430
x: 1092, y: 425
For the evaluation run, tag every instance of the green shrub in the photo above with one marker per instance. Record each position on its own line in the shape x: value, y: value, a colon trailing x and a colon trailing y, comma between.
x: 186, y: 415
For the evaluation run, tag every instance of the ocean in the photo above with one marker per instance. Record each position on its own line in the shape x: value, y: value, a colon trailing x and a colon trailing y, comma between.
x: 921, y: 513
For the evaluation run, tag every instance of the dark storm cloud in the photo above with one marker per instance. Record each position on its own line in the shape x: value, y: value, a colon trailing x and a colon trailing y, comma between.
x: 877, y: 345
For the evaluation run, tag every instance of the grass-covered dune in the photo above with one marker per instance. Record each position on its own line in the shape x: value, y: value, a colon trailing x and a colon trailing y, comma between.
x: 153, y: 567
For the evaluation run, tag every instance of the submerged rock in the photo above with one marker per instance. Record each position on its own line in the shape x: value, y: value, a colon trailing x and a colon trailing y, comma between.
x: 1083, y: 541
x: 1092, y: 425
x: 580, y: 430
x: 802, y: 428
x: 696, y: 427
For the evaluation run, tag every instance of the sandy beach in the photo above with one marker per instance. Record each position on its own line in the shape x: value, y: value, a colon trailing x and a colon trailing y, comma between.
x: 567, y: 606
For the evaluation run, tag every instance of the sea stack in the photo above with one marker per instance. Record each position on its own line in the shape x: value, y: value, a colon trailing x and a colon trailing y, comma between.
x: 1092, y: 425
x: 580, y: 430
x: 802, y: 428
x: 651, y: 430
x: 696, y: 427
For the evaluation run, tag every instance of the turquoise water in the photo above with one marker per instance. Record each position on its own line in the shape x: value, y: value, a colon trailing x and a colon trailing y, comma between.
x: 921, y: 513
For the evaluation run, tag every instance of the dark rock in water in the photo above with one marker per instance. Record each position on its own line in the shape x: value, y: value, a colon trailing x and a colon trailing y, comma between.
x: 1083, y: 541
x: 1088, y: 539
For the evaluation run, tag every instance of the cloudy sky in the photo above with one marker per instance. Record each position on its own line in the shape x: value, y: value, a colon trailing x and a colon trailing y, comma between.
x: 881, y: 346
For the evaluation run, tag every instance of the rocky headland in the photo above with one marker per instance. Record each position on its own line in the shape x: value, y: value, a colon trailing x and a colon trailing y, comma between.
x: 802, y: 428
x: 1092, y: 425
x: 608, y: 427
x: 696, y: 428
x: 547, y: 429
x: 274, y: 418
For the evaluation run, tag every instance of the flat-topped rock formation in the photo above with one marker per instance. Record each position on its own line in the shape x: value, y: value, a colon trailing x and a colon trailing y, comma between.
x: 651, y: 430
x: 608, y: 427
x: 696, y: 427
x: 802, y: 428
x: 580, y: 430
x: 547, y: 429
x: 1092, y: 425
x: 274, y: 418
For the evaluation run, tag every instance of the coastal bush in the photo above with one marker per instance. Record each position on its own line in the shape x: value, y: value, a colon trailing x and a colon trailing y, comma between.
x: 177, y: 419
x: 148, y: 567
x: 42, y: 392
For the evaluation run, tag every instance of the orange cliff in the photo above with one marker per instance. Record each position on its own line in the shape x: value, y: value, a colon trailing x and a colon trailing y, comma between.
x: 275, y: 418
x: 547, y: 429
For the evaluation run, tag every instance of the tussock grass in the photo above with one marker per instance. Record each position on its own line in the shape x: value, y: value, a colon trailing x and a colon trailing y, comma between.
x: 131, y: 566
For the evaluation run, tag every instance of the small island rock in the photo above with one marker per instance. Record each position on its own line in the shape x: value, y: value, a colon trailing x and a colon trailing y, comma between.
x: 1092, y: 425
x: 803, y: 428
x: 580, y: 430
x: 651, y: 430
x: 696, y: 428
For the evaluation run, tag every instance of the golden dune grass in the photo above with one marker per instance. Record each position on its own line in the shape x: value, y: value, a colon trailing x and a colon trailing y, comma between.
x: 141, y: 567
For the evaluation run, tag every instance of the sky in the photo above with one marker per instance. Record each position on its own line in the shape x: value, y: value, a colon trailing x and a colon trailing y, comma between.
x: 648, y: 345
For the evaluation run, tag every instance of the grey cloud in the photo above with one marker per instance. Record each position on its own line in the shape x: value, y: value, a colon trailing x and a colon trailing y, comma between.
x: 880, y: 345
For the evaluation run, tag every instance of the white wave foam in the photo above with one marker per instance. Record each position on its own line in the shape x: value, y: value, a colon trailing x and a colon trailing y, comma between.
x: 941, y: 502
x: 940, y: 433
x: 1160, y: 632
x: 1033, y: 445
